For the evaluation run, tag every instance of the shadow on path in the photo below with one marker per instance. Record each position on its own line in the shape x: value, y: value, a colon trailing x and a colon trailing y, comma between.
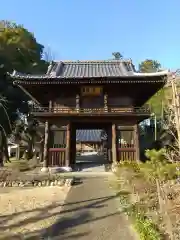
x: 89, y: 213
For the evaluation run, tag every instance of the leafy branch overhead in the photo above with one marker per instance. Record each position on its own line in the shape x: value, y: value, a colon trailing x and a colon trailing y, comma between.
x: 19, y: 50
x: 149, y: 66
x: 157, y: 101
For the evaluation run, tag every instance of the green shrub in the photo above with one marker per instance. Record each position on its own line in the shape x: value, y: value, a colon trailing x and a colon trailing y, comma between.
x: 145, y: 227
x: 129, y: 164
x: 156, y: 157
x: 158, y: 166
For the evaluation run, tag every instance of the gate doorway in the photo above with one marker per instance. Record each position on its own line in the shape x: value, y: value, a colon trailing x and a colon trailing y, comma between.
x: 90, y: 146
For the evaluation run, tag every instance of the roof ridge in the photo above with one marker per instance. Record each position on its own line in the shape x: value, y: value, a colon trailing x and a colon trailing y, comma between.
x: 94, y: 61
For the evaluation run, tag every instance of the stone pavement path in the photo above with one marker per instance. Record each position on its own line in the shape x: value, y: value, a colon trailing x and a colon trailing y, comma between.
x: 91, y: 213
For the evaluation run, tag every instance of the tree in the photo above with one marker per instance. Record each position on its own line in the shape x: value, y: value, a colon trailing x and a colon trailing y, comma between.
x: 4, y: 130
x: 19, y: 50
x: 157, y: 102
x: 30, y: 134
x: 117, y: 55
x: 149, y: 66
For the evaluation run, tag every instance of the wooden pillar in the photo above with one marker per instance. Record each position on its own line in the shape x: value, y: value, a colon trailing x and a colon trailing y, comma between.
x: 46, y: 140
x: 114, y: 143
x: 46, y: 145
x: 68, y: 145
x: 105, y: 102
x: 136, y: 140
x: 72, y: 150
x: 77, y: 102
x: 50, y: 106
x: 108, y: 144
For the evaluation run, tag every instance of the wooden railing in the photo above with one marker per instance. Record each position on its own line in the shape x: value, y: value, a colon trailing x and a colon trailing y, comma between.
x: 57, y: 157
x: 94, y: 111
x: 126, y: 152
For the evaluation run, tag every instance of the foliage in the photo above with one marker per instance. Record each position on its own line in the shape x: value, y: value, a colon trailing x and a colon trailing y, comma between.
x: 149, y: 66
x: 28, y: 133
x: 157, y: 158
x: 157, y: 103
x: 4, y: 130
x: 166, y: 134
x: 158, y: 167
x: 139, y: 200
x: 129, y: 164
x: 144, y: 226
x: 19, y: 50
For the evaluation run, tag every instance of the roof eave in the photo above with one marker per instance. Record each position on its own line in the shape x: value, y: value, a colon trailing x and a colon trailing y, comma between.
x: 124, y: 79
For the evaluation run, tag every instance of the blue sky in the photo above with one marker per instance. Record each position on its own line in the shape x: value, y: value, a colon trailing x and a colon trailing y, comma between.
x: 82, y: 29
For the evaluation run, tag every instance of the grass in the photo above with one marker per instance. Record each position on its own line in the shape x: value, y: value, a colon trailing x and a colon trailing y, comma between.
x: 139, y: 200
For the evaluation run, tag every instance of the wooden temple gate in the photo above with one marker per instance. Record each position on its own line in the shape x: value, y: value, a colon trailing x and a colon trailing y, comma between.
x: 106, y: 92
x: 121, y: 144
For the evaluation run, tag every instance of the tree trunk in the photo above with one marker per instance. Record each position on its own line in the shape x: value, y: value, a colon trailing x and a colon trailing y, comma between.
x: 5, y: 149
x: 46, y: 141
x: 18, y: 152
x: 41, y: 150
x: 1, y: 149
x: 1, y: 159
x: 30, y: 152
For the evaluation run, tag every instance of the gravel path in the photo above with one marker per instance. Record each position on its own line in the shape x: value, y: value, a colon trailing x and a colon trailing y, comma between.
x: 91, y: 213
x: 25, y: 212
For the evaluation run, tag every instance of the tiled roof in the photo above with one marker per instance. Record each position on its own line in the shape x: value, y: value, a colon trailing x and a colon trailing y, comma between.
x: 88, y: 135
x: 78, y: 69
x: 83, y: 69
x: 89, y: 69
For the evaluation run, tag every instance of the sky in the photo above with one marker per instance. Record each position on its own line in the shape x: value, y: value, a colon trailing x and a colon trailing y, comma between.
x: 92, y: 30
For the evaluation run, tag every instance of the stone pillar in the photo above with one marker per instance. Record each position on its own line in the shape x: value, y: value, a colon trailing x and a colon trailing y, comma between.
x: 68, y: 145
x: 136, y: 140
x: 114, y: 143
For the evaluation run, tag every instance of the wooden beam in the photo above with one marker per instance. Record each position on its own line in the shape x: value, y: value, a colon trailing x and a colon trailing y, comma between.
x: 29, y: 95
x: 114, y: 143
